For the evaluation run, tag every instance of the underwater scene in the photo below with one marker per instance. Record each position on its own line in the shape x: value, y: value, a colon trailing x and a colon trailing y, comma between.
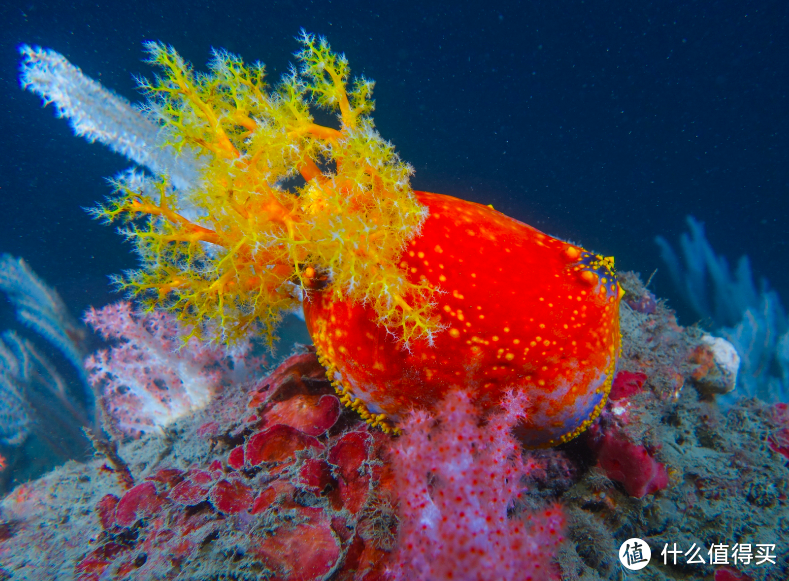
x: 411, y: 291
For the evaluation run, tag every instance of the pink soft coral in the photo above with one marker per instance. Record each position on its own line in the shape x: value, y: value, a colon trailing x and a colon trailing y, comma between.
x: 154, y: 375
x: 456, y: 481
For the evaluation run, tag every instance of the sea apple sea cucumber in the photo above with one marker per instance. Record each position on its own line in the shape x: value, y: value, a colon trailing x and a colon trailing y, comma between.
x: 521, y: 309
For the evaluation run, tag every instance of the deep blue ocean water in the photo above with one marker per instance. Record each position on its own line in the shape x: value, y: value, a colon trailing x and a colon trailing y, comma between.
x: 600, y: 122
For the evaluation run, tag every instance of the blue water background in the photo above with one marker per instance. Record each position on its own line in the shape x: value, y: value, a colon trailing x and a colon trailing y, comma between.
x: 600, y: 122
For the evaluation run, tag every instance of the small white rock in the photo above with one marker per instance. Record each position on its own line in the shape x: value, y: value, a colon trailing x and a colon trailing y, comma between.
x: 723, y: 378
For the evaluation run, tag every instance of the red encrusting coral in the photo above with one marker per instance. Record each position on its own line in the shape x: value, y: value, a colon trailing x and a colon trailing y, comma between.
x: 622, y: 457
x: 230, y: 495
x: 279, y: 443
x: 726, y: 573
x: 312, y: 415
x: 626, y: 384
x: 302, y: 552
x: 236, y: 458
x: 348, y: 456
x: 106, y: 510
x: 188, y: 492
x: 617, y: 442
x: 280, y: 491
x: 314, y: 475
x: 779, y: 439
x: 160, y: 524
x: 630, y: 464
x: 140, y: 502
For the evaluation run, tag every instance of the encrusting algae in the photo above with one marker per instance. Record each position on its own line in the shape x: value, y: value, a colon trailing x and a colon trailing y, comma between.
x: 407, y: 295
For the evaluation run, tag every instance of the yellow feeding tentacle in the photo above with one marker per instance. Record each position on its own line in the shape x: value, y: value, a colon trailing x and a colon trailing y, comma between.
x: 231, y: 248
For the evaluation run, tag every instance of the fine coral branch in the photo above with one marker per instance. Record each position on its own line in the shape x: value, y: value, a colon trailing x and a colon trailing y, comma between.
x: 109, y: 449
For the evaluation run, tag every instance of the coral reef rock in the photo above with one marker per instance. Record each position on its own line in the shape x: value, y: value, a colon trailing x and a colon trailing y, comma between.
x: 277, y: 480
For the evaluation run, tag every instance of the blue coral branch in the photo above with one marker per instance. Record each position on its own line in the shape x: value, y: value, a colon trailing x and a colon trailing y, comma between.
x: 40, y: 308
x: 755, y: 322
x: 14, y: 417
